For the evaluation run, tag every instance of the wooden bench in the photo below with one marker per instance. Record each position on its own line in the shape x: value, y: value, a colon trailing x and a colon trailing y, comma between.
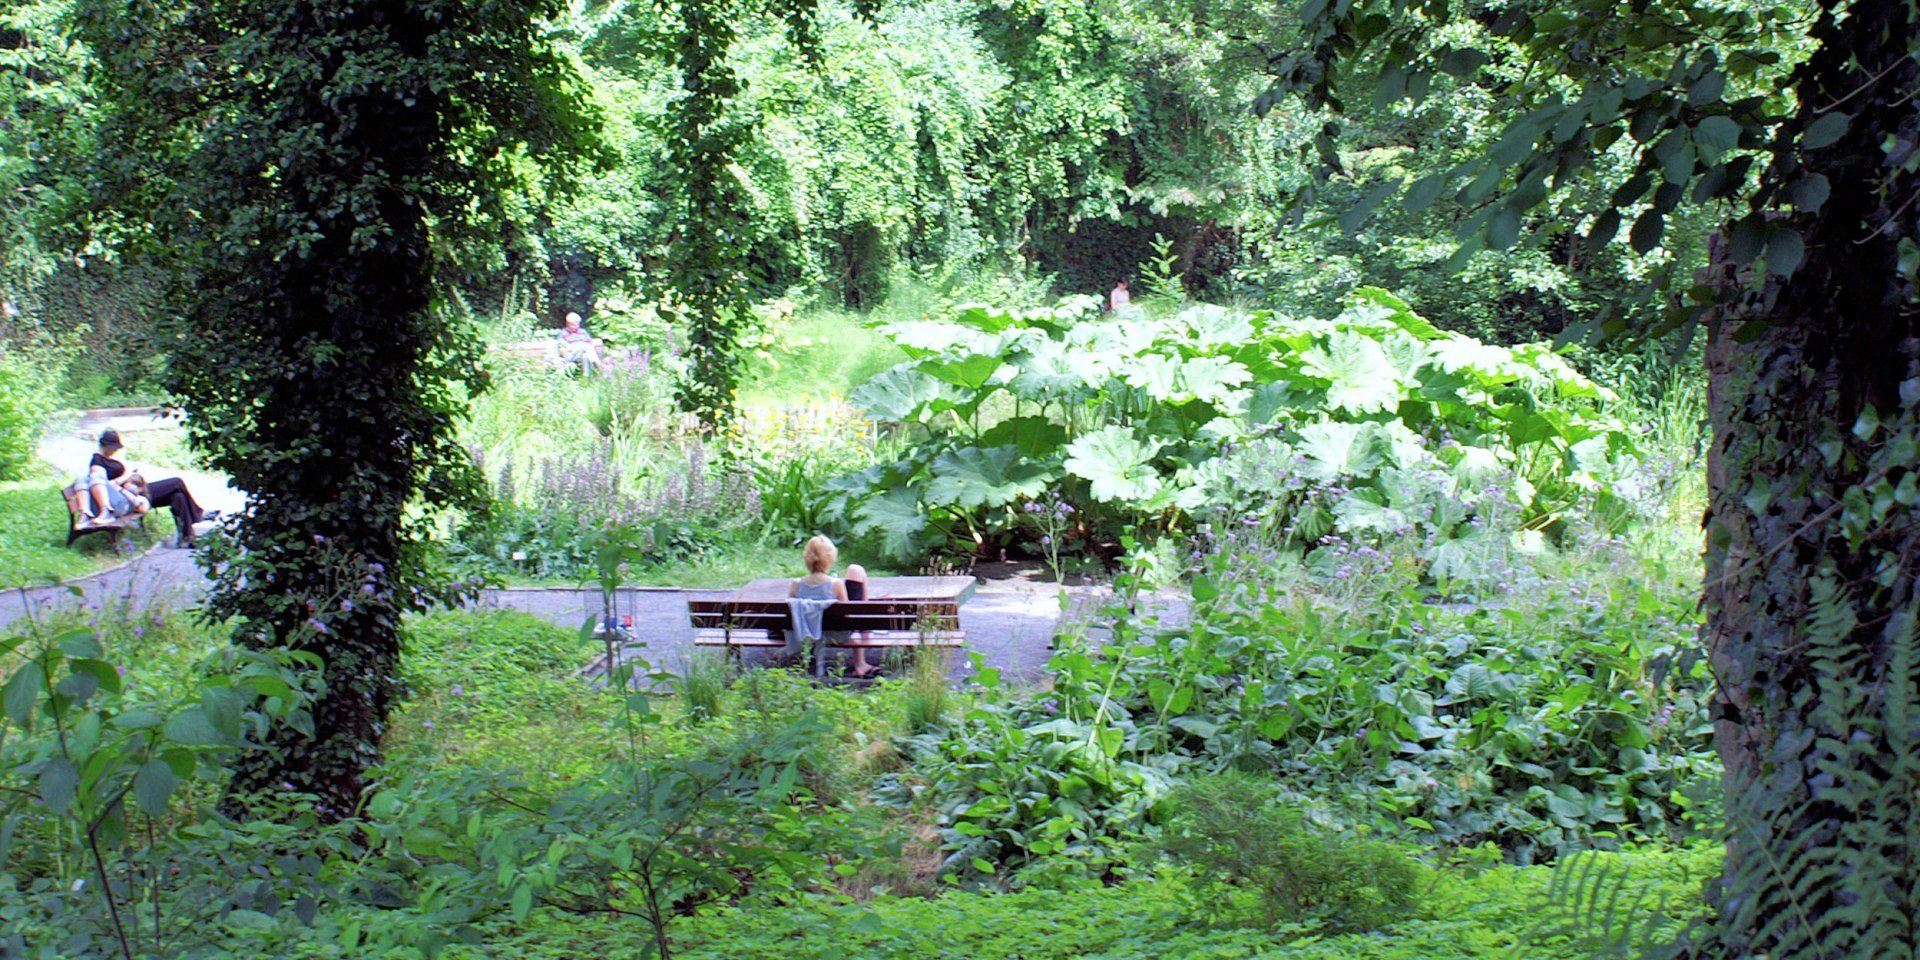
x: 112, y: 529
x: 739, y: 624
x: 545, y: 352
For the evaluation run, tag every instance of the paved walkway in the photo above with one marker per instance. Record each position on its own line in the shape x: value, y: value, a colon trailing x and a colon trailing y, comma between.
x: 1010, y: 623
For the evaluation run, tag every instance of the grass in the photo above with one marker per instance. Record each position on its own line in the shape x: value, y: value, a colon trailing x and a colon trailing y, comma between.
x: 832, y: 352
x: 726, y: 567
x: 33, y: 535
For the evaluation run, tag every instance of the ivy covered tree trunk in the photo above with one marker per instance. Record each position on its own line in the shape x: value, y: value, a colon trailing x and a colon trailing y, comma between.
x: 303, y: 167
x: 1812, y: 543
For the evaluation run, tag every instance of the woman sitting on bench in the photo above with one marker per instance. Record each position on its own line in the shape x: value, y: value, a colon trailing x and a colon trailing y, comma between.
x: 100, y: 496
x: 819, y: 584
x: 109, y: 492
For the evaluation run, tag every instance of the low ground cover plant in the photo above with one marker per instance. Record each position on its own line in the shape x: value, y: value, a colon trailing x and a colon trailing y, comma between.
x: 1240, y: 837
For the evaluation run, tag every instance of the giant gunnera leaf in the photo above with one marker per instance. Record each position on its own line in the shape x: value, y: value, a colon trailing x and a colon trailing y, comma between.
x: 1336, y: 450
x: 1360, y: 378
x: 973, y: 477
x: 1116, y: 462
x: 900, y: 394
x: 894, y: 515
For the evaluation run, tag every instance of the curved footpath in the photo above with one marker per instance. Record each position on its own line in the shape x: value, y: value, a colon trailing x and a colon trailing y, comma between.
x: 1008, y: 622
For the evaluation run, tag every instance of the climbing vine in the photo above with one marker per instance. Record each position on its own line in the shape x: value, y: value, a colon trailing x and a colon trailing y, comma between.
x: 308, y: 171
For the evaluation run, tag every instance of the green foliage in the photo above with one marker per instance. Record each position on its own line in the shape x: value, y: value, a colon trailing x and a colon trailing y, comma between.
x: 1564, y: 716
x: 1462, y: 916
x: 1375, y: 419
x: 97, y: 777
x: 26, y: 396
x: 1236, y: 834
x: 1604, y: 908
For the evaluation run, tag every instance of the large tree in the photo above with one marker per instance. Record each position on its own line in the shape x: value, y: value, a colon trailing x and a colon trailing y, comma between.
x: 307, y: 169
x: 1812, y: 316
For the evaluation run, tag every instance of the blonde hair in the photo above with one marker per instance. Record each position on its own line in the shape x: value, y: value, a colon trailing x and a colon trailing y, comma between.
x: 819, y: 555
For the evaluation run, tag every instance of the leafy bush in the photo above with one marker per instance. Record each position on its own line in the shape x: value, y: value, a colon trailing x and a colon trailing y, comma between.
x: 105, y: 838
x: 1387, y: 421
x: 1019, y: 783
x: 1236, y: 834
x: 26, y: 395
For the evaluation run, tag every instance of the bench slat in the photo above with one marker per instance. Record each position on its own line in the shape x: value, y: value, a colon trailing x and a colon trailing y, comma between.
x: 891, y: 623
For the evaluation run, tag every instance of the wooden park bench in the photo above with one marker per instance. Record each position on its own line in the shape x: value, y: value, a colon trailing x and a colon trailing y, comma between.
x: 545, y: 351
x: 112, y: 528
x: 900, y: 612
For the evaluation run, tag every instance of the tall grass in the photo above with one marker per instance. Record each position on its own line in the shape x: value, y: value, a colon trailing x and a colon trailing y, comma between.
x: 829, y: 353
x: 1664, y: 400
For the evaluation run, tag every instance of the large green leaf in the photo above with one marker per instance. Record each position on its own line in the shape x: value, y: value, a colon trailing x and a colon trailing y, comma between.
x: 928, y: 338
x: 1397, y: 312
x: 1359, y: 377
x: 969, y: 371
x: 1157, y: 375
x: 1214, y: 380
x: 900, y: 394
x: 984, y: 317
x: 1173, y: 379
x: 1032, y: 436
x: 1270, y: 401
x: 1488, y: 364
x: 894, y: 515
x: 1407, y: 355
x: 1116, y: 463
x: 1045, y: 372
x: 1335, y: 450
x: 1371, y: 509
x: 1214, y: 328
x: 973, y: 477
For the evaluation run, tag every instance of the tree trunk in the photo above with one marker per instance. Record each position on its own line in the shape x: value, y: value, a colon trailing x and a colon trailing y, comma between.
x: 1811, y: 540
x: 348, y: 333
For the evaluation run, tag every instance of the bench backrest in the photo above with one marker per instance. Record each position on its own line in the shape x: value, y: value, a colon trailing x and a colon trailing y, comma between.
x: 897, y: 615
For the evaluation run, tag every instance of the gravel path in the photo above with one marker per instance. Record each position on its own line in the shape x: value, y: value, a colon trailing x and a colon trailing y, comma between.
x: 1009, y: 623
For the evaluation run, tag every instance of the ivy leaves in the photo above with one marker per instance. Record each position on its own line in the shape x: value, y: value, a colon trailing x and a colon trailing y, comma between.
x: 1686, y: 100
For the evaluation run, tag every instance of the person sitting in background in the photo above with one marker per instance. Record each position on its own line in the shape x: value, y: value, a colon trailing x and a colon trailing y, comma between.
x: 108, y: 491
x: 99, y: 494
x: 577, y: 346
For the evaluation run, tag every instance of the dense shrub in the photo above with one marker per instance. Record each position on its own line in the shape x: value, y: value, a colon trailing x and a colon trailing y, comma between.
x: 1237, y: 835
x: 26, y: 395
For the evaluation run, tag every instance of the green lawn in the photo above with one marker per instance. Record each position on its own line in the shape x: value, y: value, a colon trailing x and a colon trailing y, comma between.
x: 33, y: 535
x: 727, y: 566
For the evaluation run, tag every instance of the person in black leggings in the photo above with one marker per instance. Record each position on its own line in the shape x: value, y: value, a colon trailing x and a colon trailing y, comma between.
x: 172, y: 493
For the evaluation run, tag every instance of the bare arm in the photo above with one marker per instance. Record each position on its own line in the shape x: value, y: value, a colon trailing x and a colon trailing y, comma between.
x: 839, y: 589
